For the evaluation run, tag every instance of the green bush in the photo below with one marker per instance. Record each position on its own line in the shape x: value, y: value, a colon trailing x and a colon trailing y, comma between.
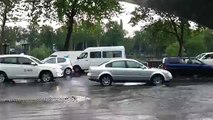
x: 172, y: 50
x: 40, y: 52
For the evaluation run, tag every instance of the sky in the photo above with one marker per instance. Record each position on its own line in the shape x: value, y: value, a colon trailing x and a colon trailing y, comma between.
x: 125, y: 17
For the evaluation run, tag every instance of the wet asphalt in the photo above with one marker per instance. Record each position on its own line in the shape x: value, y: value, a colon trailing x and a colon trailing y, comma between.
x: 77, y: 98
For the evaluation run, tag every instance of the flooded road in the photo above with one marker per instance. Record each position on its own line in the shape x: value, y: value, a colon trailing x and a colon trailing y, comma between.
x: 80, y: 99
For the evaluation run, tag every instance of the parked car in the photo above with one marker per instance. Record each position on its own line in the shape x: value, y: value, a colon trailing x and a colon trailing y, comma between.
x: 187, y: 67
x: 27, y: 67
x: 206, y: 58
x: 72, y: 55
x: 62, y: 61
x: 127, y: 70
x: 93, y: 56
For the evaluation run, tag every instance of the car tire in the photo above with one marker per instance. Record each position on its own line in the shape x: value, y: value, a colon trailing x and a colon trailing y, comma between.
x: 106, y: 80
x: 157, y: 80
x: 77, y: 69
x: 67, y: 72
x: 46, y: 76
x: 3, y: 77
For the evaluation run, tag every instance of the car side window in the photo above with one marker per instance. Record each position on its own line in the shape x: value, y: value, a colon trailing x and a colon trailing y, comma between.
x: 118, y: 64
x: 131, y: 64
x: 9, y: 60
x: 61, y: 60
x: 51, y: 60
x: 24, y: 61
x: 95, y: 54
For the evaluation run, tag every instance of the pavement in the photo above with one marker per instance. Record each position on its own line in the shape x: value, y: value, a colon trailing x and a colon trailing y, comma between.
x: 77, y: 98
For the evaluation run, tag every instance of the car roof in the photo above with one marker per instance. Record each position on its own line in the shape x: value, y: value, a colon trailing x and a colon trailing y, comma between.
x: 104, y: 48
x: 179, y: 58
x: 57, y: 57
x: 118, y: 59
x: 15, y: 55
x: 207, y: 53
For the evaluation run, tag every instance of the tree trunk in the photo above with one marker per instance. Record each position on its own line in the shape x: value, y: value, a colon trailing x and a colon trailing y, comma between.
x: 67, y: 45
x: 70, y: 25
x: 180, y: 48
x: 2, y: 40
x: 181, y: 38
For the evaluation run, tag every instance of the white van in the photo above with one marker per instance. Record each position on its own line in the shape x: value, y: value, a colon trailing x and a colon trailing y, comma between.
x: 207, y: 58
x: 94, y: 56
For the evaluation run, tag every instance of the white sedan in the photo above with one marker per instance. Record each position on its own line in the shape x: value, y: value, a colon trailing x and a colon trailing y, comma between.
x: 127, y: 70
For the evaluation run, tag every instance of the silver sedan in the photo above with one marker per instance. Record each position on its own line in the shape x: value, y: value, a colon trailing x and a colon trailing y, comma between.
x: 127, y: 70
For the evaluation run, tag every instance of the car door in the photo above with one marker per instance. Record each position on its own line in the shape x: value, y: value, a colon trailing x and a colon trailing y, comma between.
x: 83, y: 61
x: 27, y: 69
x: 11, y: 67
x: 191, y: 67
x: 118, y: 70
x: 135, y: 71
x: 62, y: 62
x: 95, y: 58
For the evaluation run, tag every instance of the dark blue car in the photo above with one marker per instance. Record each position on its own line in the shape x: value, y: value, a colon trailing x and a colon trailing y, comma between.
x: 182, y: 66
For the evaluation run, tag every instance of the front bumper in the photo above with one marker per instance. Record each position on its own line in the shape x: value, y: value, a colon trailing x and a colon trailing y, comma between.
x: 58, y: 73
x: 92, y: 77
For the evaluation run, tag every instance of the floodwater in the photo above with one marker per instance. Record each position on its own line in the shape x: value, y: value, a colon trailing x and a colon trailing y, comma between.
x: 80, y: 99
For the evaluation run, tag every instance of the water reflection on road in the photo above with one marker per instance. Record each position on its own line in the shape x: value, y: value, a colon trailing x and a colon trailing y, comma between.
x: 79, y: 99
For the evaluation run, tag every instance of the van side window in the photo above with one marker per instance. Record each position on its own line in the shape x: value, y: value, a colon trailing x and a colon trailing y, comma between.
x: 95, y: 54
x: 112, y: 54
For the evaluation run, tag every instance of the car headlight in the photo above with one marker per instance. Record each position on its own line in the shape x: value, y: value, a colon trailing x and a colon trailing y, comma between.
x: 58, y: 70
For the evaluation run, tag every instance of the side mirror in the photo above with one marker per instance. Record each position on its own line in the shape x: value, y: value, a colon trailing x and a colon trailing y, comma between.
x: 34, y: 64
x: 77, y: 58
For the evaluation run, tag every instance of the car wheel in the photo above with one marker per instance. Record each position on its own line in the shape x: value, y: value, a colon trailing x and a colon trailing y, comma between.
x: 67, y: 71
x: 157, y: 80
x: 3, y: 77
x: 46, y: 77
x: 106, y: 80
x: 77, y: 69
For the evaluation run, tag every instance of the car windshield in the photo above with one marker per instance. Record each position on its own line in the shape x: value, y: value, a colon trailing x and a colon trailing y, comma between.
x: 83, y: 55
x: 102, y: 63
x: 37, y: 60
x: 142, y: 63
x: 200, y: 56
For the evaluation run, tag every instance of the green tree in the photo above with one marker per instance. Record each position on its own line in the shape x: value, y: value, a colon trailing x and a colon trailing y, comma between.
x: 71, y: 11
x: 114, y: 34
x: 46, y: 36
x: 7, y: 8
x: 15, y: 34
x: 168, y: 23
x: 172, y: 50
x: 87, y: 34
x: 59, y: 38
x: 196, y: 45
x: 207, y: 38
